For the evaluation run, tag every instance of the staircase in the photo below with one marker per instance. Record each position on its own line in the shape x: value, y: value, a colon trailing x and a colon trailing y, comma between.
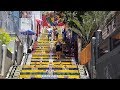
x: 44, y: 65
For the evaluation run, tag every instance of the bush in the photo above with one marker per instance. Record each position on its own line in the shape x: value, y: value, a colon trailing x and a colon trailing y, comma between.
x: 5, y: 37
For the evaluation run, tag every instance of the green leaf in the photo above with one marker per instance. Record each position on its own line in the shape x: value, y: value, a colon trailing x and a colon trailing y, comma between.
x: 5, y: 38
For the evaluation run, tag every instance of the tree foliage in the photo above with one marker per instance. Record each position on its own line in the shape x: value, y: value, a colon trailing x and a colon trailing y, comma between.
x: 85, y: 22
x: 4, y: 37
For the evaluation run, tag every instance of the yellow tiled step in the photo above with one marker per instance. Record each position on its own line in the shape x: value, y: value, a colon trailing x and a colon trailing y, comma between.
x: 37, y: 66
x: 66, y: 63
x: 44, y: 46
x: 44, y: 33
x: 39, y: 60
x: 69, y: 76
x: 38, y: 49
x: 63, y: 66
x: 46, y: 66
x: 33, y: 71
x: 44, y: 57
x: 71, y: 71
x: 44, y: 36
x: 39, y: 63
x: 29, y: 76
x: 44, y: 54
x: 59, y: 37
x: 39, y: 55
x: 42, y: 49
x: 36, y: 70
x: 45, y: 41
x: 53, y: 66
x: 59, y: 76
x: 56, y: 63
x: 53, y: 63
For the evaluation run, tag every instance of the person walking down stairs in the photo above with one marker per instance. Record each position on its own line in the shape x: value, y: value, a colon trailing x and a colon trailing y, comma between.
x: 56, y: 34
x: 49, y: 33
x: 58, y: 49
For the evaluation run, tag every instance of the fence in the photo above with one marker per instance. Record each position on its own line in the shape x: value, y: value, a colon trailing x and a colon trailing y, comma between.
x: 6, y: 60
x: 85, y: 55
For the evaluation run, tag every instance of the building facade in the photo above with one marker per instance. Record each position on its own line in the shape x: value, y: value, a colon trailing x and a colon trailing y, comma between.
x: 108, y: 63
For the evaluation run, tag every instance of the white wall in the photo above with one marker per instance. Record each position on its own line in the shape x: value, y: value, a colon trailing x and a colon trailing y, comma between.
x: 25, y: 24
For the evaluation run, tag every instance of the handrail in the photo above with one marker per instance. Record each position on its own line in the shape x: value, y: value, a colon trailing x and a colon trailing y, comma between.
x: 9, y: 72
x: 87, y: 76
x: 24, y: 60
x: 19, y: 39
x: 26, y: 57
x: 12, y: 71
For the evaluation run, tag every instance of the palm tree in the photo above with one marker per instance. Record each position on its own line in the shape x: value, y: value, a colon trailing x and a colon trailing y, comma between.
x: 84, y: 23
x: 86, y: 26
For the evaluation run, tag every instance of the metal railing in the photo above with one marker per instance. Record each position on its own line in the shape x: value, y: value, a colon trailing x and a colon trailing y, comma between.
x: 11, y: 72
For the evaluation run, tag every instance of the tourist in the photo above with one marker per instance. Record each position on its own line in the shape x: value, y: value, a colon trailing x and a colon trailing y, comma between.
x: 56, y: 34
x: 64, y: 34
x: 49, y: 33
x: 58, y: 49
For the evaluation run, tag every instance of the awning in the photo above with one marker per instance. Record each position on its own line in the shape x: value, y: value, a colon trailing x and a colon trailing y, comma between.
x: 28, y: 32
